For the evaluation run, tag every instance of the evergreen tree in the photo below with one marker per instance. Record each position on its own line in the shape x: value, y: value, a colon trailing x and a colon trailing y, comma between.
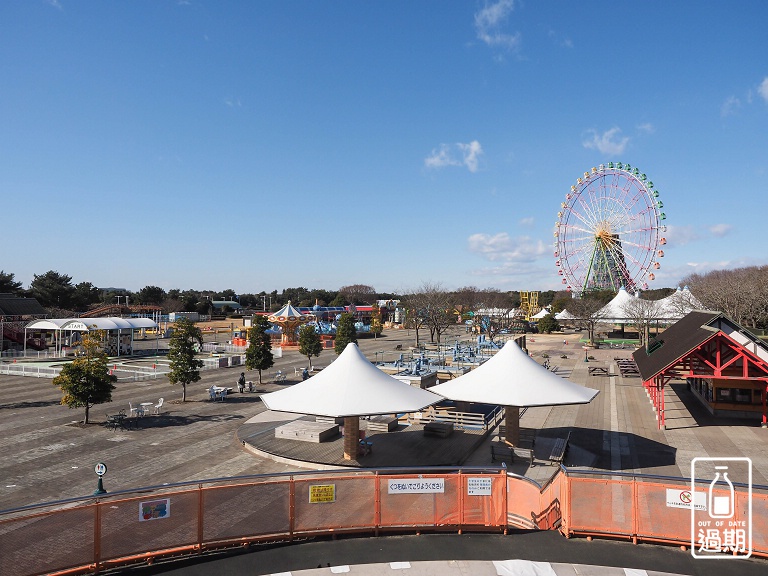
x: 86, y: 380
x: 548, y: 324
x: 309, y: 343
x: 8, y: 284
x: 258, y: 355
x: 185, y: 368
x: 52, y: 289
x: 345, y: 332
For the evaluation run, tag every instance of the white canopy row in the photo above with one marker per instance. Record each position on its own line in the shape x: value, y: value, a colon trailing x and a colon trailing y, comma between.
x: 88, y: 324
x: 624, y: 307
x: 60, y: 325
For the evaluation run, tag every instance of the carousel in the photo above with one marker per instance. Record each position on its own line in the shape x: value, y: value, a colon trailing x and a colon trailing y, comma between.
x: 289, y: 319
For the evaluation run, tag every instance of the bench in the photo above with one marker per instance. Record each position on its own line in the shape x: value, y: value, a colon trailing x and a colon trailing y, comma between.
x: 527, y: 437
x: 381, y: 424
x: 441, y: 429
x: 559, y: 449
x: 598, y: 370
x: 501, y: 452
x: 507, y: 451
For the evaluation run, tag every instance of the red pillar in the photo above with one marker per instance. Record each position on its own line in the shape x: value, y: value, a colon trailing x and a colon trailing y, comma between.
x: 764, y: 424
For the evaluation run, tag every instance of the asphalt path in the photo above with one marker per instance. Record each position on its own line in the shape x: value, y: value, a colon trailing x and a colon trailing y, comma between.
x: 544, y: 546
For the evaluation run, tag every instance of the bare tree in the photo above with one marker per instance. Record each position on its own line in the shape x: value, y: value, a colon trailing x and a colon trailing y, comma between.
x: 641, y: 313
x: 741, y: 294
x: 430, y: 306
x: 358, y: 293
x: 499, y: 311
x: 589, y: 313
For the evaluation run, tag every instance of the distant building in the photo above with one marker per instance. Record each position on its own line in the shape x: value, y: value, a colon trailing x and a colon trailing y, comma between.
x: 15, y: 312
x: 14, y: 307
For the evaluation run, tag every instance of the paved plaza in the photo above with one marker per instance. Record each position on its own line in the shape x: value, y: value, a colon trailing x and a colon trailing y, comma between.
x: 48, y: 456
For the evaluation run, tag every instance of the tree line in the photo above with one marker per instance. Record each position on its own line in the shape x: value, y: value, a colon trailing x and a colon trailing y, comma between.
x: 742, y: 294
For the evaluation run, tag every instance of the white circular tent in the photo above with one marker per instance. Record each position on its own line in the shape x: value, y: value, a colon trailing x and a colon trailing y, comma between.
x: 514, y: 380
x: 348, y: 388
x: 120, y: 331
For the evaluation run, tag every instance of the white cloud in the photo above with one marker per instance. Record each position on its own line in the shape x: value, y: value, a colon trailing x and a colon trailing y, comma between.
x: 681, y: 235
x: 488, y: 23
x: 501, y: 247
x: 528, y: 221
x: 55, y: 4
x: 440, y: 158
x: 446, y: 155
x: 609, y: 142
x: 720, y: 230
x: 471, y: 152
x: 730, y: 106
x: 763, y: 89
x: 646, y: 128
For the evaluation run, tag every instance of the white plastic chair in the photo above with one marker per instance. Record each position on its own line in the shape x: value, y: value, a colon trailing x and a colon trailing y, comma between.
x: 132, y: 410
x: 156, y: 407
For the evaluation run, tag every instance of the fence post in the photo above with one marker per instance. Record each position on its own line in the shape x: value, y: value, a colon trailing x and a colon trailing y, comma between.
x: 377, y: 503
x: 200, y: 511
x: 635, y: 509
x: 565, y: 516
x: 505, y: 499
x: 291, y: 507
x: 460, y: 493
x: 97, y: 536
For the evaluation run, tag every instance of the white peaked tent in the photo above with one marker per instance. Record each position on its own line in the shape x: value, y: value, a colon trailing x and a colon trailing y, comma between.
x: 513, y: 379
x: 614, y: 310
x: 350, y: 387
x: 540, y: 314
x: 678, y: 304
x: 564, y: 315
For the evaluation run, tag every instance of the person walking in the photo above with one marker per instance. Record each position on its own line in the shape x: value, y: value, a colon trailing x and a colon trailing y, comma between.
x: 241, y: 383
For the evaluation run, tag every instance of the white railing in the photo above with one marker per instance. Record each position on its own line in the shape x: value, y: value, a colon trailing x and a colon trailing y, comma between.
x: 26, y: 370
x: 459, y: 419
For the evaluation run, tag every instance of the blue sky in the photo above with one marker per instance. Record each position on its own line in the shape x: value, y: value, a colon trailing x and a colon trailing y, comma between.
x: 261, y: 145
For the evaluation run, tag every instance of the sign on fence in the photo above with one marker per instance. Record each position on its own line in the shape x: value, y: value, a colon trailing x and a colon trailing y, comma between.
x: 479, y: 486
x: 685, y: 498
x: 319, y: 493
x: 417, y: 486
x: 154, y: 509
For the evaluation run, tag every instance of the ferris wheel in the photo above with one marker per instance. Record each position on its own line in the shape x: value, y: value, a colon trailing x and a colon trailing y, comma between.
x: 609, y: 231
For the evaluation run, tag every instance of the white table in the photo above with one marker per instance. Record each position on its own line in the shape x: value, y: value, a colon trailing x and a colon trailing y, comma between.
x: 145, y: 408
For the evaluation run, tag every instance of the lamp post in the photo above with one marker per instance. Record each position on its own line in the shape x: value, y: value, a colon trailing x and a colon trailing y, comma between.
x: 586, y: 352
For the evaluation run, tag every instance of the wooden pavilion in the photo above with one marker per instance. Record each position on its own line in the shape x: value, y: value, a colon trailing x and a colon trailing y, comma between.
x: 725, y: 366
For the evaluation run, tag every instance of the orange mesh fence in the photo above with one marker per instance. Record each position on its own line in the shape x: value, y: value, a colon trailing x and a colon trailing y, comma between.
x: 150, y: 522
x: 54, y: 540
x: 426, y: 500
x: 602, y: 506
x: 550, y: 504
x: 760, y: 521
x: 523, y: 506
x: 658, y: 519
x: 156, y: 522
x: 483, y: 500
x: 334, y: 503
x: 244, y: 511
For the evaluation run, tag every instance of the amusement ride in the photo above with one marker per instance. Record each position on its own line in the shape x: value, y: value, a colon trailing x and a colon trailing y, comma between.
x: 609, y: 231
